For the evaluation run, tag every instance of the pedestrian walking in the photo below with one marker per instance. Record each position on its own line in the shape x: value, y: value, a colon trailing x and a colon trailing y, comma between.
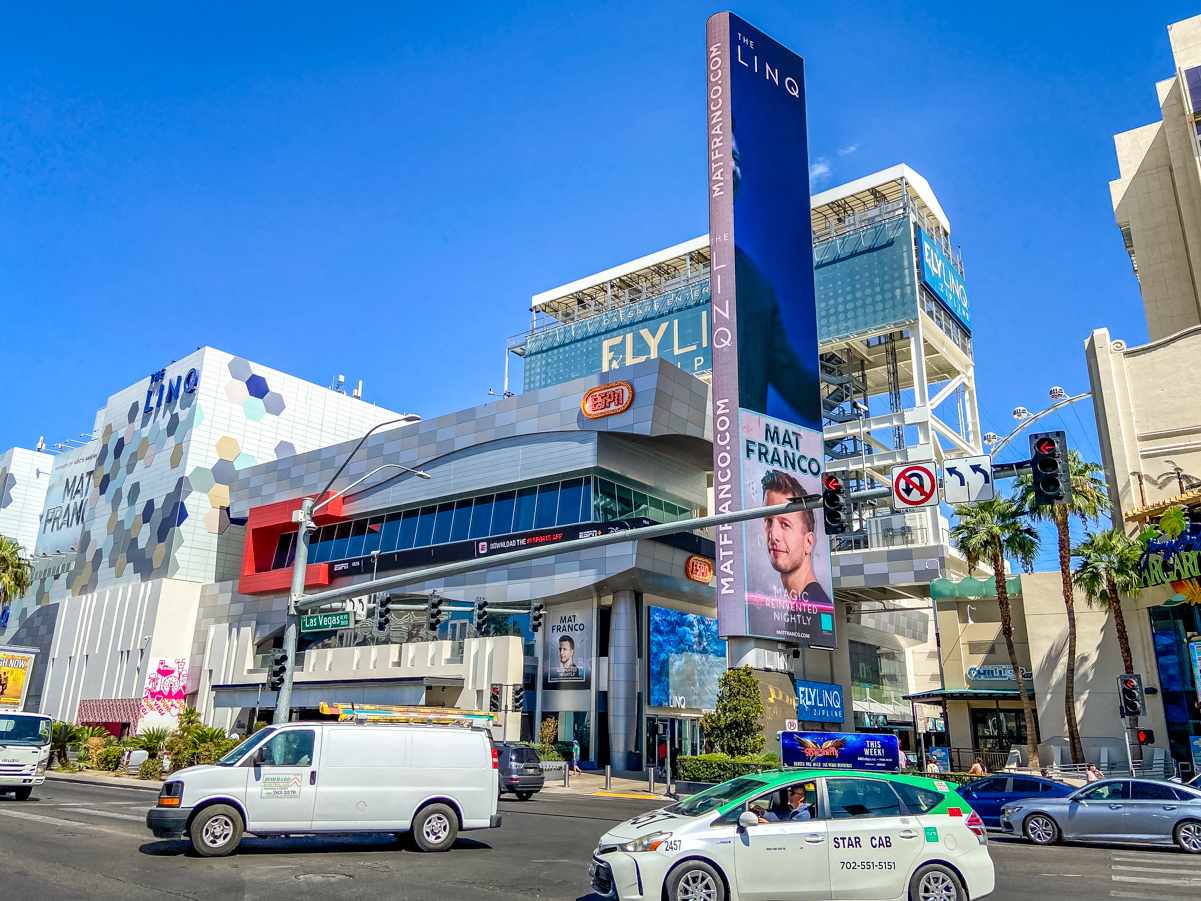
x: 575, y: 755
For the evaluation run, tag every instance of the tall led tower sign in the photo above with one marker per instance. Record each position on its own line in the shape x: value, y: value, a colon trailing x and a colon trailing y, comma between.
x: 773, y: 575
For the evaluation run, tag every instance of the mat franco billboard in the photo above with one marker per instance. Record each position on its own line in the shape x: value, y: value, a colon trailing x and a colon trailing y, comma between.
x: 773, y: 575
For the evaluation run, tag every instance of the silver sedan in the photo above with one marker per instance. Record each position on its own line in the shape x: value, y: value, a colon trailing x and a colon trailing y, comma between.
x: 1112, y: 810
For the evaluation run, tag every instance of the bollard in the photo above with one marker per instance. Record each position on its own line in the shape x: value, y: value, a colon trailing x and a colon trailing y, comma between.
x: 650, y: 779
x: 566, y: 776
x: 608, y: 778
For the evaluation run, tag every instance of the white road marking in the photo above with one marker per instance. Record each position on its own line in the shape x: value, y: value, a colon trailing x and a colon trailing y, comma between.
x: 1155, y: 897
x: 1141, y: 858
x: 1194, y: 872
x: 109, y: 813
x: 69, y: 824
x: 1147, y: 880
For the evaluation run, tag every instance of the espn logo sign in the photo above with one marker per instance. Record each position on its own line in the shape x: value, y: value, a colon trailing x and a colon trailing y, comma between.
x: 607, y: 400
x: 699, y: 569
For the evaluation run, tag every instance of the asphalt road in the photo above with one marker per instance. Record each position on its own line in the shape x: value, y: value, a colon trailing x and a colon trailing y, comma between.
x: 75, y: 841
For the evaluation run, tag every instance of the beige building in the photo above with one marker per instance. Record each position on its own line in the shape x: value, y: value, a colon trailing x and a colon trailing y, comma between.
x: 1157, y: 195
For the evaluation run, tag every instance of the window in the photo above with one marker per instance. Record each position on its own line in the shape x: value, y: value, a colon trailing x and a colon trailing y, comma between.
x: 481, y: 517
x: 851, y: 798
x: 322, y: 544
x: 1152, y: 791
x: 607, y: 504
x: 658, y: 513
x: 797, y: 802
x: 570, y: 494
x: 1026, y: 787
x: 523, y: 517
x: 341, y: 539
x: 286, y: 543
x: 548, y: 502
x: 354, y: 547
x: 998, y: 730
x: 291, y: 748
x: 991, y: 785
x: 408, y: 530
x: 389, y: 534
x: 586, y: 500
x: 1106, y: 791
x: 642, y: 506
x: 425, y: 527
x: 502, y: 513
x: 442, y: 523
x: 462, y: 521
x: 918, y: 800
x: 371, y: 540
x: 625, y: 502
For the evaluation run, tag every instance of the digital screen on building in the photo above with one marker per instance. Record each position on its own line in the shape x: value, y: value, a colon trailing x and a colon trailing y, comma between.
x: 944, y: 280
x: 773, y: 576
x: 865, y: 280
x: 686, y: 658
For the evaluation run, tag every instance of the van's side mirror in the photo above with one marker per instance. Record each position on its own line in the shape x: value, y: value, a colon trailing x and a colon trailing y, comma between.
x: 747, y: 819
x: 260, y: 756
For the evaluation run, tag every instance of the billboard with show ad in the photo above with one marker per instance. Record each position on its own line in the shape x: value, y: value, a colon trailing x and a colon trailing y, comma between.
x: 567, y: 647
x: 686, y: 659
x: 16, y: 668
x: 841, y: 750
x: 767, y: 436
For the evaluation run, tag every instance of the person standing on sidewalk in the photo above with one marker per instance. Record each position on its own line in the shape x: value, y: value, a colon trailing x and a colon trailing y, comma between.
x: 575, y: 755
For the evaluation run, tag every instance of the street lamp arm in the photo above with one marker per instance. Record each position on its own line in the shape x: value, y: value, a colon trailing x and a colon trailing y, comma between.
x: 420, y: 473
x: 1033, y: 418
x: 379, y: 425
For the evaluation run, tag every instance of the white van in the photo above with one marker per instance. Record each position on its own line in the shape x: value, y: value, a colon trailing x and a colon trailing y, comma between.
x: 429, y: 782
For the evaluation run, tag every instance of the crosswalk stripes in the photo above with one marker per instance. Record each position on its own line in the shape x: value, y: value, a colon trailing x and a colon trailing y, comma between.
x: 1150, y: 875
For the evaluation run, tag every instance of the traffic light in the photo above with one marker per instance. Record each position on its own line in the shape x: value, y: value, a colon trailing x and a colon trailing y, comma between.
x: 834, y: 504
x: 481, y: 616
x: 1144, y: 736
x: 537, y: 615
x: 1130, y: 694
x: 518, y: 699
x: 383, y: 613
x: 434, y: 614
x: 279, y: 668
x: 1049, y: 468
x: 494, y: 699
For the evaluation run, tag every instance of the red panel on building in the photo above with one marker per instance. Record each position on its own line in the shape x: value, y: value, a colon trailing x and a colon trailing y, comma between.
x: 264, y: 526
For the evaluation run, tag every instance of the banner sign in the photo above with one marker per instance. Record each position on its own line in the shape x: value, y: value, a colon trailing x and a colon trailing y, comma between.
x: 773, y: 577
x: 841, y: 750
x: 165, y: 695
x: 16, y: 667
x: 943, y: 279
x: 819, y: 702
x: 567, y: 646
x: 994, y: 672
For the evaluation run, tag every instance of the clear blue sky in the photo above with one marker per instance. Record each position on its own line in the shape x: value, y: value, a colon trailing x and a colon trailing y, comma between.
x: 379, y: 192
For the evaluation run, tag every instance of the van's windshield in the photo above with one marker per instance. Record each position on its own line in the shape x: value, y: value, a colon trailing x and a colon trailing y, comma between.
x: 22, y: 729
x: 245, y: 745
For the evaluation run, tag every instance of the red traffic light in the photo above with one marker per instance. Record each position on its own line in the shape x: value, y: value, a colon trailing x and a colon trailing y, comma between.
x: 1045, y: 445
x: 1144, y: 736
x: 831, y: 482
x: 1129, y: 683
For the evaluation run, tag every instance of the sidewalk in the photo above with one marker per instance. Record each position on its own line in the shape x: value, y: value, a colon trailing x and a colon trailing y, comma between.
x: 93, y: 778
x: 592, y: 783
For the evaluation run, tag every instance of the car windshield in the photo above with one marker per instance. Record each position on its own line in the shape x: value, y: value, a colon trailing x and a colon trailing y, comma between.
x: 16, y: 729
x: 717, y: 796
x: 249, y: 742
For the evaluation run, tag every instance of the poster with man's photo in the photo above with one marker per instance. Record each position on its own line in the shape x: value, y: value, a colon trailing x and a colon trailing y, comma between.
x: 567, y: 646
x: 789, y: 594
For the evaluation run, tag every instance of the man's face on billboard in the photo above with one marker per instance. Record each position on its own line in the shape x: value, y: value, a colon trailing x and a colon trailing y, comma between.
x: 789, y: 539
x: 565, y: 651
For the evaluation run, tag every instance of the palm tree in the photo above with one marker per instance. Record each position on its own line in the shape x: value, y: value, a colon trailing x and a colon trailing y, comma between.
x: 991, y: 531
x: 151, y: 741
x: 1087, y: 500
x: 64, y: 737
x: 1108, y: 569
x: 16, y: 573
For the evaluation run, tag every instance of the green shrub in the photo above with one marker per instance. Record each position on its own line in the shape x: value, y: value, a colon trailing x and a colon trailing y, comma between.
x: 720, y: 767
x: 151, y: 768
x: 550, y: 752
x: 109, y: 758
x: 735, y: 726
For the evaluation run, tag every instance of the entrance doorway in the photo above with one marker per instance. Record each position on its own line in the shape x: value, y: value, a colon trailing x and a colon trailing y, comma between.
x: 668, y: 738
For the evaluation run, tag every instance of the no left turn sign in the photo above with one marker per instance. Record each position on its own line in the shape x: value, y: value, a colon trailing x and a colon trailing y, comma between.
x: 914, y: 485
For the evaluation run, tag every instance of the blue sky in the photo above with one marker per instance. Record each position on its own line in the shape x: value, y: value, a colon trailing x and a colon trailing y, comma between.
x: 379, y: 191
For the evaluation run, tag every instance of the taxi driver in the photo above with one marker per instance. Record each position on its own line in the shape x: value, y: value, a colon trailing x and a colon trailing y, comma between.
x: 790, y: 539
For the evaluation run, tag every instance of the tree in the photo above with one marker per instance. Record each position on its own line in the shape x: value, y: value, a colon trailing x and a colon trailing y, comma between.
x: 736, y: 726
x: 1108, y: 569
x: 16, y: 575
x: 1087, y: 501
x: 991, y: 531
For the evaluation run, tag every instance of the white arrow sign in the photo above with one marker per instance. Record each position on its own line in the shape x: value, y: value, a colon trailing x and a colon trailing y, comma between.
x: 966, y: 480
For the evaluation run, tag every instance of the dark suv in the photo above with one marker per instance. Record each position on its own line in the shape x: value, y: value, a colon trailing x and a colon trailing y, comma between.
x: 520, y: 770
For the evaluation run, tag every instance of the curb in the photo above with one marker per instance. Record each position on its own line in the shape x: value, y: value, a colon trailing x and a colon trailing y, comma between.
x: 83, y: 780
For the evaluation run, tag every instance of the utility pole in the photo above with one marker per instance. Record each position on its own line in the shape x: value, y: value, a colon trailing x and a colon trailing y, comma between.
x: 300, y: 564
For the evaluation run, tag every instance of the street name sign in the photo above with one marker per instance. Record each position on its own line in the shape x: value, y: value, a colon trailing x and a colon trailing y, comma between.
x: 325, y: 622
x: 967, y: 480
x: 914, y: 485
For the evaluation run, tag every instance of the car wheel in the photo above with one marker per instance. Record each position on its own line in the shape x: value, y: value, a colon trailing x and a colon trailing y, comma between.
x: 435, y: 828
x: 934, y: 882
x: 1041, y: 829
x: 695, y: 881
x: 524, y: 796
x: 216, y: 831
x: 22, y: 794
x: 1188, y: 837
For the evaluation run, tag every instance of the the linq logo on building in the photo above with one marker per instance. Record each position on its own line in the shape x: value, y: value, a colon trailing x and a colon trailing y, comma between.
x: 163, y: 392
x: 940, y: 276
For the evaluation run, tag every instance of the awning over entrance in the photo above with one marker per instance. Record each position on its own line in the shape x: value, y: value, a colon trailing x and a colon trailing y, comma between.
x: 359, y: 691
x: 938, y: 695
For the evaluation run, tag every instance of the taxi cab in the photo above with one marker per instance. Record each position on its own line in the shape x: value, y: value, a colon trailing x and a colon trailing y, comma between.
x: 802, y: 834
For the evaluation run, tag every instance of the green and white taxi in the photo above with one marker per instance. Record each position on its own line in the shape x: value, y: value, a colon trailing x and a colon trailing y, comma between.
x: 802, y: 834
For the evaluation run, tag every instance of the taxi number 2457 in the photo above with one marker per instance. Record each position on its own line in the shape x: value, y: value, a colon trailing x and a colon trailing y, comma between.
x: 869, y: 864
